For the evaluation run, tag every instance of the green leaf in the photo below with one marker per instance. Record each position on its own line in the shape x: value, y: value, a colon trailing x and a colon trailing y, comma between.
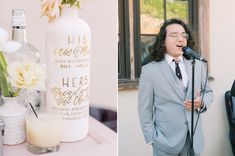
x: 3, y: 62
x: 78, y: 5
x: 4, y: 84
x: 75, y: 3
x: 16, y: 93
x: 3, y: 74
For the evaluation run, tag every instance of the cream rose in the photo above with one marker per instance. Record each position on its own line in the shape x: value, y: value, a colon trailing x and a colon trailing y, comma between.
x: 27, y: 74
x: 51, y: 8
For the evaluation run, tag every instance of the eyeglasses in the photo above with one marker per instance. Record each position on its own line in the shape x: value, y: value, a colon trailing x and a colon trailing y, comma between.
x: 176, y: 35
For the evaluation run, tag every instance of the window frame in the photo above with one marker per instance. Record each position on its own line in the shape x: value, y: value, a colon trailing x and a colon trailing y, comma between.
x: 126, y: 81
x: 124, y: 42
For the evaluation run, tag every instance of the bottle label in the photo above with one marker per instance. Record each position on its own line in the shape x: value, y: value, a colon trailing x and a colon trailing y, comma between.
x: 68, y: 64
x: 69, y: 67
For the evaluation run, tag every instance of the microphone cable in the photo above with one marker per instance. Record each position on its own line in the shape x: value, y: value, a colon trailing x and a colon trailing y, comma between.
x: 203, y: 93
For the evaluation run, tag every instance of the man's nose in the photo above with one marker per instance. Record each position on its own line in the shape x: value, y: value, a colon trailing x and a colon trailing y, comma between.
x: 180, y: 38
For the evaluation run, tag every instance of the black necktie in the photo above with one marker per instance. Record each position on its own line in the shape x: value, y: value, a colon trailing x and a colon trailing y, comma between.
x: 177, y: 69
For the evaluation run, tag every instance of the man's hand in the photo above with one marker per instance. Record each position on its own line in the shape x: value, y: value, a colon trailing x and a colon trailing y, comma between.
x: 197, y: 103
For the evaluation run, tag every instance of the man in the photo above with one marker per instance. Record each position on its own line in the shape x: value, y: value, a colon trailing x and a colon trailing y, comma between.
x: 165, y: 94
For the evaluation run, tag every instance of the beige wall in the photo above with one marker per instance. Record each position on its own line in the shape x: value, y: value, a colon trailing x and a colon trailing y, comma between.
x: 102, y: 17
x: 216, y: 132
x: 130, y: 138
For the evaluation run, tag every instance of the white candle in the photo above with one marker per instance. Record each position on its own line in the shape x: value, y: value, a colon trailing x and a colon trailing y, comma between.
x: 44, y: 131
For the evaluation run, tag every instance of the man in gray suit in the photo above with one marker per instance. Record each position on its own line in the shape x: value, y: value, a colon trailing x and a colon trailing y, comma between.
x: 165, y: 91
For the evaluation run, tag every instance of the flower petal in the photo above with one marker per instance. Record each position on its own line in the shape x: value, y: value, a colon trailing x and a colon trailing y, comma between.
x: 51, y: 8
x: 27, y: 74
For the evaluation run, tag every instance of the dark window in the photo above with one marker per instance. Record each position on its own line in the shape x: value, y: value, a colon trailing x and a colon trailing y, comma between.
x: 124, y: 42
x: 148, y: 15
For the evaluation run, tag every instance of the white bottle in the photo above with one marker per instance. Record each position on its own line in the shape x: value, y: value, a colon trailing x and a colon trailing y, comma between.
x: 68, y: 64
x: 27, y: 51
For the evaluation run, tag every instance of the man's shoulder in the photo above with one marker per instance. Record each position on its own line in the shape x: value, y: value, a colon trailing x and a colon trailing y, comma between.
x: 151, y: 65
x: 199, y: 64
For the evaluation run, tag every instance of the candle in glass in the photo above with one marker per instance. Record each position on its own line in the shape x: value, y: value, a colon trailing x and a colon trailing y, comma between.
x: 43, y: 132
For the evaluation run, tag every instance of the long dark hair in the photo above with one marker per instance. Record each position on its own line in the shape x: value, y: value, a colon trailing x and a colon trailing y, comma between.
x: 159, y: 48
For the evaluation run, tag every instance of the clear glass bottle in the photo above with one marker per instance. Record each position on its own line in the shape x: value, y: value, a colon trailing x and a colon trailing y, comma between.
x: 27, y: 51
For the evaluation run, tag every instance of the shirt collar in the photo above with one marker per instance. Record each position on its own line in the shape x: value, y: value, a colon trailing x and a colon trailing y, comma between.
x: 169, y: 58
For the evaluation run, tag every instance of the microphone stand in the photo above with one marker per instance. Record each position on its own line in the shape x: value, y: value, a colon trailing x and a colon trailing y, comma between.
x: 192, y: 111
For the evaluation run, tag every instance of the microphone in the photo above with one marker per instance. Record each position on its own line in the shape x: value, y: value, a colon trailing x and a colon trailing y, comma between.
x: 189, y: 52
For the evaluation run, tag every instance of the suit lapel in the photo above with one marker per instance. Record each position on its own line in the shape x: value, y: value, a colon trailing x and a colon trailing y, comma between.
x: 170, y: 77
x: 189, y: 71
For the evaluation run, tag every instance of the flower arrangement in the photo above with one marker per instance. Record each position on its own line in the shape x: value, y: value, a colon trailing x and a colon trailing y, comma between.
x: 18, y: 75
x: 52, y: 8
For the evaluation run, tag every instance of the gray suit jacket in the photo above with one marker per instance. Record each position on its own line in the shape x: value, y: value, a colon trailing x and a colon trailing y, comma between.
x: 163, y: 118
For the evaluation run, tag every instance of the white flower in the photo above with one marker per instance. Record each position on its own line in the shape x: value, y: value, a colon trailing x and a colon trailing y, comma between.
x: 23, y: 75
x: 7, y: 46
x: 51, y: 8
x: 27, y: 74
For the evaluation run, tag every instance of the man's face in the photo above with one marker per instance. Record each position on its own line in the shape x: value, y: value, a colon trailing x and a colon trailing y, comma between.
x: 176, y: 39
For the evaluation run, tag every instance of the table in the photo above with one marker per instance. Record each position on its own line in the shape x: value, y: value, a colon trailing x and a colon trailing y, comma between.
x: 101, y: 141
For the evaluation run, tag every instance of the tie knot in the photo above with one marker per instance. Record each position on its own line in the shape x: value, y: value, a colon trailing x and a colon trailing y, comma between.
x: 176, y: 61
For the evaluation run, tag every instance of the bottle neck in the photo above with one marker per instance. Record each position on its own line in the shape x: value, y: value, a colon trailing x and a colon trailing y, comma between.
x: 19, y: 34
x: 69, y: 11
